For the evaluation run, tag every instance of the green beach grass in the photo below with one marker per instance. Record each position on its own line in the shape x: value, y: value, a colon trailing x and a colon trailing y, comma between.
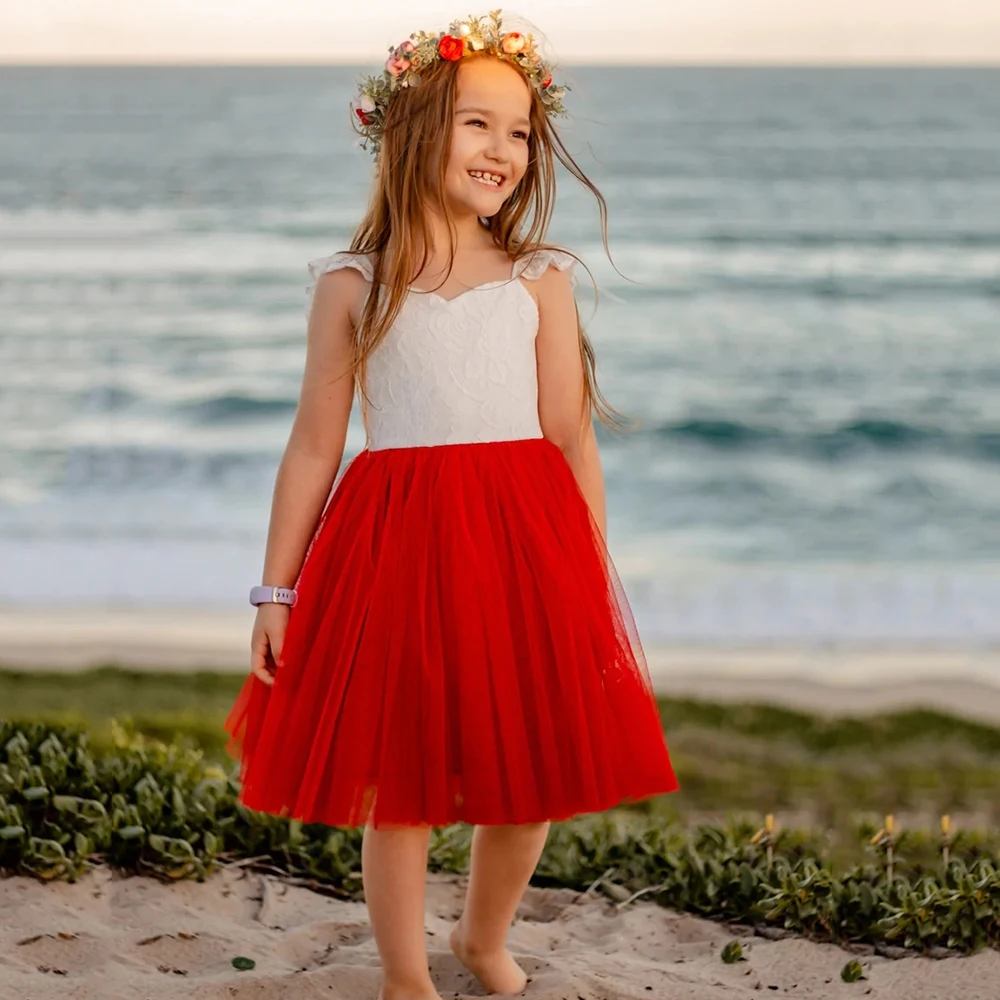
x: 804, y: 768
x: 149, y: 807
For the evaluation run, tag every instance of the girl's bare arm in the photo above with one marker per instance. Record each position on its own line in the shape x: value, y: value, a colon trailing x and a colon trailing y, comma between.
x: 316, y: 444
x: 561, y: 386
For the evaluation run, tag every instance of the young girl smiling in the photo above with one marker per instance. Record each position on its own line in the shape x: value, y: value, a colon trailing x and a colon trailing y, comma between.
x: 442, y: 636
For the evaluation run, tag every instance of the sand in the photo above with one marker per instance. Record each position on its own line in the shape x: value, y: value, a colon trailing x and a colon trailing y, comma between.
x: 835, y: 679
x: 109, y: 937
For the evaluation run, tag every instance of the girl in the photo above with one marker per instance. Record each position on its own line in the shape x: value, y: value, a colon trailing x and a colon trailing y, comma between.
x: 447, y: 640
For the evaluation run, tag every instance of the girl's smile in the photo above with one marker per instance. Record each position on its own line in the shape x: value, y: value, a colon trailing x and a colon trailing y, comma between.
x: 488, y: 178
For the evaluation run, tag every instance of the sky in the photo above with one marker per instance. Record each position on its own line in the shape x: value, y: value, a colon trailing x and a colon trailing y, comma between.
x: 577, y: 32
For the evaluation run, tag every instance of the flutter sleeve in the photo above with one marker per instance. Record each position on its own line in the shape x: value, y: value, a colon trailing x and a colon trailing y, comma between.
x: 335, y: 261
x: 535, y: 265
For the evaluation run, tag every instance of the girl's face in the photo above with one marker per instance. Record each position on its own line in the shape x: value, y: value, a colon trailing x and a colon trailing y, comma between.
x: 489, y: 136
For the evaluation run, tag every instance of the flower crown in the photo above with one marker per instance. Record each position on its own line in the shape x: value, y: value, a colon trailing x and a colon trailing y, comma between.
x: 420, y: 50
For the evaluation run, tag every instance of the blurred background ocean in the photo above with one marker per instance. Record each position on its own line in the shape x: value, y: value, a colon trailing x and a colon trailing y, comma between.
x: 809, y: 334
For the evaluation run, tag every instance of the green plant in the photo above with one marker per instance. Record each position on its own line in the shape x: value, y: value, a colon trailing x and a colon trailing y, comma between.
x: 161, y: 809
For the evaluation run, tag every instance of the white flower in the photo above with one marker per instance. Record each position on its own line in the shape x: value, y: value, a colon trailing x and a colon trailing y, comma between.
x: 476, y: 43
x: 367, y: 103
x: 464, y: 30
x: 512, y: 42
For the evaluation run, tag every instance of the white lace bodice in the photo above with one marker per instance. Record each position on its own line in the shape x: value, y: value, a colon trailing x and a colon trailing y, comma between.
x: 458, y: 370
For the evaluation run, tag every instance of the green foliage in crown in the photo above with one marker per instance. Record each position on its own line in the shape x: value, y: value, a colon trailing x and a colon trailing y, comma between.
x: 421, y: 50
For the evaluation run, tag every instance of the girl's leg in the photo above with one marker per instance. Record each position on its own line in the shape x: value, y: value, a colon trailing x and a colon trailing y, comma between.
x: 394, y: 874
x: 503, y: 859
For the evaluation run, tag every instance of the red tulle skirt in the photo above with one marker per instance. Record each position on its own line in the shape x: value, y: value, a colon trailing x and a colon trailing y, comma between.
x: 461, y: 650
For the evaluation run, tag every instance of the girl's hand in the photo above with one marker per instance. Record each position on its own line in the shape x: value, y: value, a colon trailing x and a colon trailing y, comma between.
x: 267, y: 639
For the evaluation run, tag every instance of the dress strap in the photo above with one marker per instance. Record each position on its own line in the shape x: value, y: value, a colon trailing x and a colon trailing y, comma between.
x: 531, y: 267
x: 534, y: 265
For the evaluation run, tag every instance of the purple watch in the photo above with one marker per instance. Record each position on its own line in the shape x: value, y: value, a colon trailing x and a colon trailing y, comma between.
x: 272, y: 595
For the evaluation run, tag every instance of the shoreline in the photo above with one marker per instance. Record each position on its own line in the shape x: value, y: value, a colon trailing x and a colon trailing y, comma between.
x: 827, y: 678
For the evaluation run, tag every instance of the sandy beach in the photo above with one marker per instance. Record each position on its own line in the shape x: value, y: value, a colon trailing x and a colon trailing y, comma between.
x: 113, y: 938
x: 110, y: 937
x: 838, y: 680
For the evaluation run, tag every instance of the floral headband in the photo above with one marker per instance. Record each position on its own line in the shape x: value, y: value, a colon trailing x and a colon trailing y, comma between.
x: 474, y: 34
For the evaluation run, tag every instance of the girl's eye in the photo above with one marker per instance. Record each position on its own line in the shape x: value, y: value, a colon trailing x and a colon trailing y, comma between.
x: 479, y: 121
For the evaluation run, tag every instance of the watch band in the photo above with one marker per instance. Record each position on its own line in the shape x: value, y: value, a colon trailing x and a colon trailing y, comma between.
x: 272, y: 595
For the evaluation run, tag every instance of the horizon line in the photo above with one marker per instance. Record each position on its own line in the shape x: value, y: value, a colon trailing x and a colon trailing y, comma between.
x: 254, y: 62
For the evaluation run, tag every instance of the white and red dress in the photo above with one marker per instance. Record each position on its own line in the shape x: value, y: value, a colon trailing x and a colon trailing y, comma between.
x: 461, y: 648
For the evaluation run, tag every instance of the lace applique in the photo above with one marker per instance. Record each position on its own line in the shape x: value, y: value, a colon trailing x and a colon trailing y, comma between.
x: 458, y: 370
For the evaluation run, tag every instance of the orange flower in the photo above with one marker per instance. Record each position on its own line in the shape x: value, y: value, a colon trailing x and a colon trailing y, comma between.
x: 451, y: 47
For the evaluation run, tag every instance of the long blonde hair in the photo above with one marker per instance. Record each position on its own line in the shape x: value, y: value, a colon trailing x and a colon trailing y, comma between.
x: 413, y: 159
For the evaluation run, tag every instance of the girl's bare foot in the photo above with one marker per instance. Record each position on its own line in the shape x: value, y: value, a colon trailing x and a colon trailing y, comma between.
x: 407, y: 994
x: 497, y: 971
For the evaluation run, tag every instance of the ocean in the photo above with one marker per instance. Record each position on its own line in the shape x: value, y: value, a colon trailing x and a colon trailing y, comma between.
x: 803, y: 316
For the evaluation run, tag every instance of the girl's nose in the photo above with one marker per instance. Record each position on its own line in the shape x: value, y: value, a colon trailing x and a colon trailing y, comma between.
x: 498, y: 148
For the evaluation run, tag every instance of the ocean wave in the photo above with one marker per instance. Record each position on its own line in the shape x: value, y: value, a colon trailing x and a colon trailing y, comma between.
x: 235, y: 409
x: 837, y: 442
x: 116, y: 467
x: 855, y: 286
x: 897, y: 239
